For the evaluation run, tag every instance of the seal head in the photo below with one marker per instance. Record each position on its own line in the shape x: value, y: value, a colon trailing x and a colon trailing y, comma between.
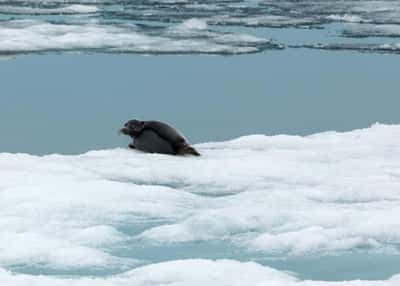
x: 133, y: 128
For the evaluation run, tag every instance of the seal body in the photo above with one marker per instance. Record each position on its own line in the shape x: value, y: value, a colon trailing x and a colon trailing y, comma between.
x: 157, y: 137
x: 149, y: 141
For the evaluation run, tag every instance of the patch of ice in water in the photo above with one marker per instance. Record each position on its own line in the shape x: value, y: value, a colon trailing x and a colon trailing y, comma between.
x: 27, y: 36
x: 71, y: 9
x: 198, y: 28
x: 278, y: 21
x: 346, y: 18
x: 389, y: 48
x: 375, y: 6
x: 76, y: 8
x: 193, y: 272
x: 368, y: 8
x: 192, y: 24
x: 207, y: 7
x: 367, y: 30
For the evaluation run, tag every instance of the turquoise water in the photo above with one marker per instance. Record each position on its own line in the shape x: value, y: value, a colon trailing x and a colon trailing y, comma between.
x: 336, y: 267
x: 73, y: 103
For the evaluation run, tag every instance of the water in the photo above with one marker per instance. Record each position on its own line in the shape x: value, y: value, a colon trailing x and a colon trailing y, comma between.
x: 76, y: 103
x: 304, y: 209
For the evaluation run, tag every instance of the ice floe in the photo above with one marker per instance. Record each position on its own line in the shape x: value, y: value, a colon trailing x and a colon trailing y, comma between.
x: 277, y: 195
x: 28, y: 36
x: 182, y: 26
x: 389, y: 48
x: 346, y: 18
x: 364, y: 31
x: 70, y: 9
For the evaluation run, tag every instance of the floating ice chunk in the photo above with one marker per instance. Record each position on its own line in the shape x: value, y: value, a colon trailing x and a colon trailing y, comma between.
x: 383, y: 12
x: 346, y: 18
x: 203, y: 6
x: 192, y: 24
x: 77, y: 8
x: 264, y: 21
x: 71, y: 9
x: 195, y: 28
x: 372, y: 6
x: 28, y: 36
x: 392, y: 48
x: 362, y: 31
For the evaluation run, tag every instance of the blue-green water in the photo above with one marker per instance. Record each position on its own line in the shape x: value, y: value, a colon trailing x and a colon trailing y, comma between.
x: 73, y: 103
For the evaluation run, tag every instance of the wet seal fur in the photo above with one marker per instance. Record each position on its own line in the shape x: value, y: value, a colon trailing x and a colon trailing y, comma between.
x: 157, y: 137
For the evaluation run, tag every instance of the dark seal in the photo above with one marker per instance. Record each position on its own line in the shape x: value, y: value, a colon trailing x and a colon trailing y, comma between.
x: 157, y: 137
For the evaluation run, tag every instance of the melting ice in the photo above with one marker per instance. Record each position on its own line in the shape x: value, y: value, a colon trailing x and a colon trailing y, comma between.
x: 270, y: 196
x: 106, y: 26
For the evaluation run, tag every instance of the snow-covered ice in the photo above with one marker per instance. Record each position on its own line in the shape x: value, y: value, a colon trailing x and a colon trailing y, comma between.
x: 30, y: 36
x: 281, y: 196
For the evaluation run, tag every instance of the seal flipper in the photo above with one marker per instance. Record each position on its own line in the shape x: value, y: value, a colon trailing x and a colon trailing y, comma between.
x: 188, y: 150
x: 132, y: 146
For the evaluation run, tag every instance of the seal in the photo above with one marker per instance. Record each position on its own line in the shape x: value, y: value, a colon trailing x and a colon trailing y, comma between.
x: 157, y: 137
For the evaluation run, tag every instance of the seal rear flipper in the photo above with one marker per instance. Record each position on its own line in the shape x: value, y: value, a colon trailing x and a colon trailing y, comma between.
x: 188, y: 150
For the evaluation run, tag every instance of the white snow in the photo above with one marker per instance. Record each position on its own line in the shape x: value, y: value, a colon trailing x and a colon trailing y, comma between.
x: 279, y: 195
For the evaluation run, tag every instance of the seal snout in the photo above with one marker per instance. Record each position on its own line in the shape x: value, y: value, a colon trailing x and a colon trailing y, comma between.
x: 127, y: 129
x: 132, y: 128
x: 124, y: 131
